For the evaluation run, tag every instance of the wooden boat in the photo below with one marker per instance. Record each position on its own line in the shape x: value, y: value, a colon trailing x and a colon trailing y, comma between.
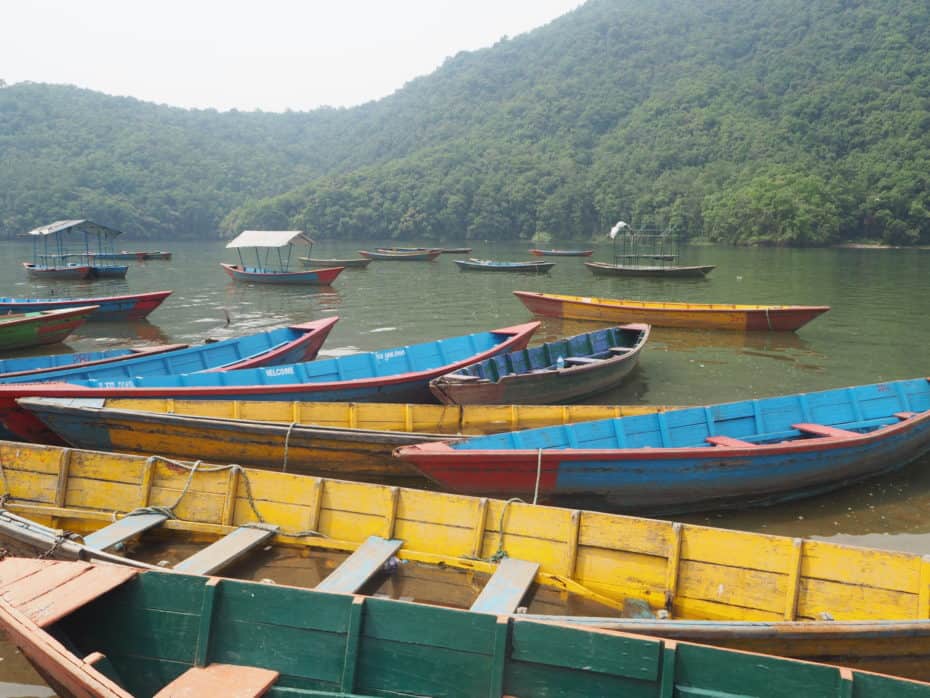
x: 34, y: 366
x: 414, y: 256
x: 138, y: 256
x: 443, y: 250
x: 347, y: 263
x: 456, y: 250
x: 665, y: 272
x: 59, y: 272
x: 332, y: 439
x: 108, y: 271
x: 109, y: 308
x: 561, y: 253
x: 246, y: 639
x: 490, y: 265
x: 316, y: 277
x: 720, y: 316
x: 738, y: 589
x: 391, y: 375
x: 730, y: 455
x: 555, y: 372
x: 22, y: 330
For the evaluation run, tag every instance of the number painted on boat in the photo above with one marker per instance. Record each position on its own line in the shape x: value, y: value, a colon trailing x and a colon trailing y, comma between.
x: 386, y: 355
x: 280, y: 371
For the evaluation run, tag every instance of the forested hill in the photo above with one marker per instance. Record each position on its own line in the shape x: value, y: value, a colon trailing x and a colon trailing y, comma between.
x: 786, y: 121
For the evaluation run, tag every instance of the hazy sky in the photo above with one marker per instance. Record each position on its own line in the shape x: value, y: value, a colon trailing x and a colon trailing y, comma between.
x: 252, y: 54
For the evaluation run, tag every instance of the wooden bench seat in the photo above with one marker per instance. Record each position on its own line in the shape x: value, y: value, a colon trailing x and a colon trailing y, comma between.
x: 226, y: 550
x: 358, y: 568
x: 730, y: 442
x: 227, y: 680
x: 122, y: 530
x: 582, y: 360
x: 905, y: 415
x: 507, y: 586
x: 824, y: 430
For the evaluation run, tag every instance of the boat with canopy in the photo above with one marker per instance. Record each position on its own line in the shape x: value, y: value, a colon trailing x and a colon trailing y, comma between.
x: 272, y: 265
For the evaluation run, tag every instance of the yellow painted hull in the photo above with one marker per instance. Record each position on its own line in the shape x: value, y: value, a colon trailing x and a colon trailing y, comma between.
x: 696, y: 573
x: 346, y: 440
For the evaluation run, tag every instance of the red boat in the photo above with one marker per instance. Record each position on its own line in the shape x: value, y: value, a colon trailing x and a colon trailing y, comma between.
x: 109, y: 308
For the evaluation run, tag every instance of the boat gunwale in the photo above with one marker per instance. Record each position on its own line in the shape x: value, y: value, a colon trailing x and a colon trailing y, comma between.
x: 594, y: 301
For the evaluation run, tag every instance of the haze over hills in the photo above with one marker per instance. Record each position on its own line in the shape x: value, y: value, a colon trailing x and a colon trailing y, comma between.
x: 788, y: 122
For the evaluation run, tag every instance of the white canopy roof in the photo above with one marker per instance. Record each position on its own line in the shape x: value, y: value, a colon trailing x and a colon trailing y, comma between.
x: 267, y: 238
x: 67, y: 226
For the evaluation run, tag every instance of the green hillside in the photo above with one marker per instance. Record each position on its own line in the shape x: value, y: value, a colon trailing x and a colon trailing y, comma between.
x: 787, y: 122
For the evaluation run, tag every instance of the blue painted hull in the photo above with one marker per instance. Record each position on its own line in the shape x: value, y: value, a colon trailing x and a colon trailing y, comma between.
x: 731, y: 455
x: 109, y: 308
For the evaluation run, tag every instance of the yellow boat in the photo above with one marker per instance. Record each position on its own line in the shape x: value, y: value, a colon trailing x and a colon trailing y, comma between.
x: 801, y: 598
x: 334, y: 439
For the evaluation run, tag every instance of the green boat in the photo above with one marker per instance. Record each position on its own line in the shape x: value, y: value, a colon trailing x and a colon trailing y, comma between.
x: 24, y: 330
x: 107, y: 630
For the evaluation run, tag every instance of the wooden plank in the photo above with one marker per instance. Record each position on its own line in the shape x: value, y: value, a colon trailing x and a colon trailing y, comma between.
x: 728, y: 441
x: 360, y: 565
x: 824, y: 430
x: 905, y: 415
x: 226, y: 550
x: 227, y: 680
x: 582, y: 360
x: 95, y: 581
x: 507, y: 586
x: 122, y: 530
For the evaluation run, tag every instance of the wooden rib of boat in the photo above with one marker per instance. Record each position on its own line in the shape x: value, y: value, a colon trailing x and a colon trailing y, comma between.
x: 591, y: 363
x: 400, y: 374
x: 246, y: 639
x: 778, y: 590
x: 720, y: 316
x: 658, y: 271
x: 109, y: 308
x: 65, y: 272
x: 490, y: 265
x: 34, y: 366
x: 315, y: 277
x: 23, y: 330
x: 399, y: 256
x: 332, y: 439
x: 347, y: 263
x: 730, y: 455
x: 561, y: 253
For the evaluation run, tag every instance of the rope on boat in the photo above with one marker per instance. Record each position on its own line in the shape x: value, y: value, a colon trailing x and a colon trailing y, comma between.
x: 768, y: 319
x: 287, y: 442
x: 538, y: 475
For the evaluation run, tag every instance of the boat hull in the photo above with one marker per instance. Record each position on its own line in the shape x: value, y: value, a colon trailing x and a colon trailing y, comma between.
x: 532, y: 267
x: 561, y: 253
x: 108, y: 271
x: 41, y: 327
x: 690, y: 478
x: 664, y: 272
x: 316, y: 277
x: 109, y: 308
x: 37, y: 365
x: 427, y: 256
x: 348, y: 263
x: 660, y: 314
x: 67, y: 273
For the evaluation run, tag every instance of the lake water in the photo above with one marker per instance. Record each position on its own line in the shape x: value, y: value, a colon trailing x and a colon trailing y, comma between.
x: 877, y: 330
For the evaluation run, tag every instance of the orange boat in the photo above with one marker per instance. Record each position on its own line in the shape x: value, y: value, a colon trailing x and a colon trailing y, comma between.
x: 720, y: 316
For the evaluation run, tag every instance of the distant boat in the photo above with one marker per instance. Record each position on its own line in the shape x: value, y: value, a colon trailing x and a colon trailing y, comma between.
x: 456, y: 250
x: 443, y: 250
x: 670, y: 271
x: 560, y: 371
x: 736, y: 454
x: 59, y: 272
x: 265, y: 270
x: 408, y: 256
x: 53, y: 263
x: 720, y: 316
x: 110, y: 308
x: 348, y: 263
x: 490, y: 265
x: 561, y: 253
x: 20, y: 331
x: 138, y: 256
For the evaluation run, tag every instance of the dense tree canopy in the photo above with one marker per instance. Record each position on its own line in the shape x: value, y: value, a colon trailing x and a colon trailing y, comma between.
x: 786, y: 122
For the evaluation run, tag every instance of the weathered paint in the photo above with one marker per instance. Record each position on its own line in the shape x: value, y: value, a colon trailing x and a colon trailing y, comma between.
x: 316, y: 277
x: 36, y: 328
x: 703, y: 576
x: 721, y: 316
x: 110, y: 308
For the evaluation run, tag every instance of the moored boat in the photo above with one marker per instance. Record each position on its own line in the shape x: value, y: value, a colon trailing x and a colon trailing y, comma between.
x: 59, y: 272
x: 402, y: 256
x: 315, y: 277
x: 561, y: 253
x: 23, y: 330
x: 490, y: 265
x: 245, y: 639
x: 138, y: 256
x: 554, y: 372
x: 390, y: 375
x: 658, y: 271
x: 729, y: 455
x: 347, y: 263
x: 36, y: 365
x: 269, y: 271
x: 109, y: 308
x: 332, y: 439
x: 778, y: 591
x: 721, y: 316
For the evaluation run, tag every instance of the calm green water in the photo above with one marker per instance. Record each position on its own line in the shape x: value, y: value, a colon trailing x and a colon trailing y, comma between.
x: 877, y: 330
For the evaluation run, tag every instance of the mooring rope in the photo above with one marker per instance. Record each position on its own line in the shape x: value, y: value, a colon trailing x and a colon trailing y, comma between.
x: 538, y: 475
x: 287, y: 442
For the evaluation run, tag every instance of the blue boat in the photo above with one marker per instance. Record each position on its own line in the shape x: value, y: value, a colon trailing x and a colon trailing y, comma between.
x: 490, y: 265
x: 54, y: 262
x: 400, y: 374
x: 109, y: 308
x: 730, y: 455
x: 34, y: 366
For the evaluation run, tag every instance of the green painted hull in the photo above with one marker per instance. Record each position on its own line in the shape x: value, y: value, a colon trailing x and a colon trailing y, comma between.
x: 42, y: 327
x: 156, y: 626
